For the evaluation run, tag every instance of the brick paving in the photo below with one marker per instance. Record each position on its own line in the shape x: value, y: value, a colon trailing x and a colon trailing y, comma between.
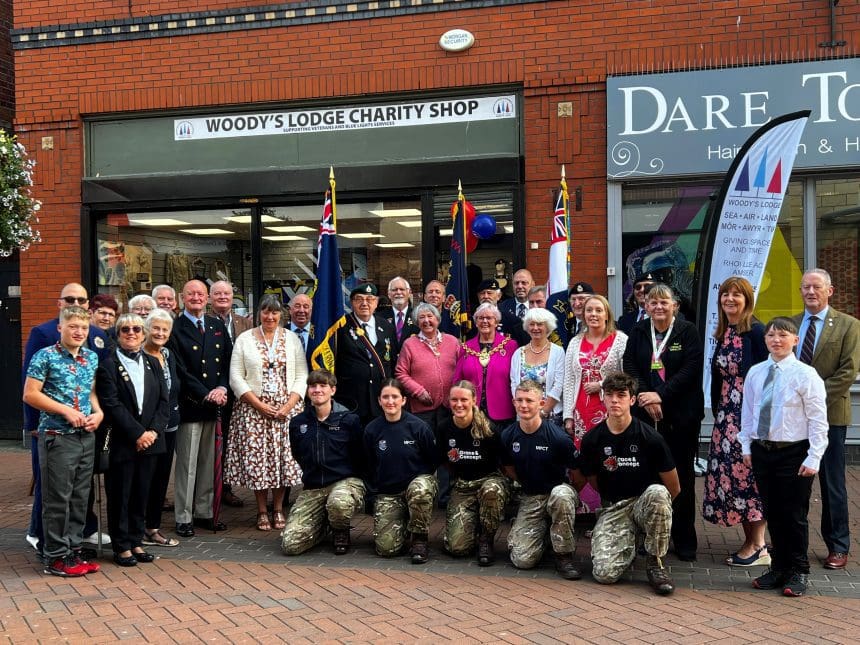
x: 237, y: 587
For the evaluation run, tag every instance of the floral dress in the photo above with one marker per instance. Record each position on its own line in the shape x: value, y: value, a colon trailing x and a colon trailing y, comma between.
x: 589, y: 409
x: 731, y: 495
x: 258, y: 454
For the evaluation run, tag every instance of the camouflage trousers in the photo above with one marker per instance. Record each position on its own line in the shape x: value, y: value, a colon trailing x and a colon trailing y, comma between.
x: 474, y: 504
x: 306, y: 523
x: 537, y: 513
x: 395, y: 516
x: 613, y: 541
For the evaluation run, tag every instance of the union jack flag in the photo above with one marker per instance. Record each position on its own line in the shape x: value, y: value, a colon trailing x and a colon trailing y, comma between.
x: 559, y: 248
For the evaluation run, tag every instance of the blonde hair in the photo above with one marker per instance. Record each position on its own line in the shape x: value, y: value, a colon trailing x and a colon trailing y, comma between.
x: 610, y: 319
x: 481, y: 426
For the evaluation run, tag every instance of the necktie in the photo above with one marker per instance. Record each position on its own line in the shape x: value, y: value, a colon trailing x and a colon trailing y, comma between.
x: 521, y: 311
x: 399, y: 324
x: 641, y: 315
x: 200, y: 327
x: 226, y: 320
x: 301, y: 332
x: 809, y: 342
x: 766, y: 403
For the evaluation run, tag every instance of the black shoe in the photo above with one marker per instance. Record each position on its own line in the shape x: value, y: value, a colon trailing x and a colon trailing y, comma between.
x: 486, y: 557
x: 128, y: 561
x: 658, y: 577
x: 209, y: 524
x: 88, y: 554
x: 143, y: 556
x: 340, y: 537
x: 685, y: 555
x: 185, y: 529
x: 796, y: 585
x: 419, y: 551
x: 565, y: 567
x: 770, y: 579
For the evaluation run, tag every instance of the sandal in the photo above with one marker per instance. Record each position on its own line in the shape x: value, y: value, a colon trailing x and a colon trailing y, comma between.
x: 756, y: 559
x: 157, y: 538
x: 280, y: 520
x: 263, y: 522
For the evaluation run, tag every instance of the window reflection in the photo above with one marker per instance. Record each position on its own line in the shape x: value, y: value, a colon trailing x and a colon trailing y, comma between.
x: 837, y: 211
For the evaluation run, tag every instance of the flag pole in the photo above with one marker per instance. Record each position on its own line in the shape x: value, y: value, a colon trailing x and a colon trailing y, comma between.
x: 331, y: 183
x: 461, y: 205
x: 565, y: 198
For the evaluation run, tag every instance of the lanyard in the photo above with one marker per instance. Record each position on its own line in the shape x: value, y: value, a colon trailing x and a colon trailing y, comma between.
x: 658, y: 351
x: 270, y: 349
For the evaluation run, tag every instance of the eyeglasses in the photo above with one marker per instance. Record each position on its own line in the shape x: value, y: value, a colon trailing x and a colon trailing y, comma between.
x: 364, y: 299
x: 75, y: 300
x: 134, y: 329
x: 107, y: 313
x: 643, y: 287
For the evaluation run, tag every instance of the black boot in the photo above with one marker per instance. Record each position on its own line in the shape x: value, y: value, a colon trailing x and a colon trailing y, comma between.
x: 486, y: 556
x: 340, y: 538
x: 420, y: 550
x: 565, y: 567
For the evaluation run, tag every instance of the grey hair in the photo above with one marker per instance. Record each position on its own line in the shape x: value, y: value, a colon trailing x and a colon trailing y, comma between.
x: 270, y: 302
x: 129, y: 319
x: 426, y: 306
x: 163, y: 287
x: 157, y: 314
x: 824, y: 274
x: 397, y: 277
x: 488, y: 306
x: 537, y: 289
x: 141, y: 299
x: 541, y: 316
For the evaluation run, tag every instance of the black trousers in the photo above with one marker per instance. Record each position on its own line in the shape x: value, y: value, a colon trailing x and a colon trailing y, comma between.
x: 160, y: 482
x: 682, y: 441
x: 785, y: 497
x: 127, y: 489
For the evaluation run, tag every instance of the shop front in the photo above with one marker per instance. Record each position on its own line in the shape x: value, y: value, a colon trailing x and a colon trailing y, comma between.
x: 670, y: 139
x: 237, y: 195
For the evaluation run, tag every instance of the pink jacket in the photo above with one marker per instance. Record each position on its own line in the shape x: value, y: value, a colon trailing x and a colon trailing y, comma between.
x: 420, y: 370
x: 499, y: 401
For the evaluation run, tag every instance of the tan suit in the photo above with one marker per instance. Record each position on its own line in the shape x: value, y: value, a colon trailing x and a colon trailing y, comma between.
x: 837, y: 360
x: 237, y: 325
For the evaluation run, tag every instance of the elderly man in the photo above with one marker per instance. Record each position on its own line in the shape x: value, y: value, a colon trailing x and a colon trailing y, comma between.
x: 641, y: 285
x: 399, y: 313
x: 579, y: 292
x: 517, y: 306
x: 141, y: 305
x: 366, y: 354
x: 221, y: 302
x: 434, y: 294
x: 45, y: 335
x: 301, y: 307
x: 165, y: 298
x: 202, y: 348
x: 830, y: 342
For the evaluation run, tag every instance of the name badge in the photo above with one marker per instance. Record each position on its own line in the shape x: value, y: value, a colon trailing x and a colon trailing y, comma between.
x: 657, y: 365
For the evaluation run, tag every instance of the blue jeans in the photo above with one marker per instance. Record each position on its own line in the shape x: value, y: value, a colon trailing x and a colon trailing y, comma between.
x: 834, y: 495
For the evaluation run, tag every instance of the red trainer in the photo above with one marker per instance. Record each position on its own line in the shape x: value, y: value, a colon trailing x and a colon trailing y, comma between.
x: 67, y: 567
x: 91, y: 567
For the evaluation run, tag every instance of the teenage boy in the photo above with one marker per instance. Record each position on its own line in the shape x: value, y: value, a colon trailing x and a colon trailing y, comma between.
x: 630, y: 465
x: 538, y: 454
x: 59, y: 384
x: 783, y: 437
x: 326, y: 441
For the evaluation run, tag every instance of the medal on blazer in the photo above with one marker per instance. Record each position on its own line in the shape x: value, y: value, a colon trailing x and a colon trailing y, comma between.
x: 388, y: 349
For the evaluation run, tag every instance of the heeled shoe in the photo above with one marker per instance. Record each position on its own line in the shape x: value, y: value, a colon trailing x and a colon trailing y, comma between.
x: 125, y: 561
x: 143, y: 556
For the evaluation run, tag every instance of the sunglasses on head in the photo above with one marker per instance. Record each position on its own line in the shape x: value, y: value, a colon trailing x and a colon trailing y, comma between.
x: 135, y: 329
x: 75, y: 300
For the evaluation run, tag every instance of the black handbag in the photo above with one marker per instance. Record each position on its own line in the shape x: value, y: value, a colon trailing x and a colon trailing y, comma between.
x: 100, y: 464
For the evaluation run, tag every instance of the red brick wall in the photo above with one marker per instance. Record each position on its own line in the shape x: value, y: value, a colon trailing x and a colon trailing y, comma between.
x: 557, y: 51
x: 7, y: 66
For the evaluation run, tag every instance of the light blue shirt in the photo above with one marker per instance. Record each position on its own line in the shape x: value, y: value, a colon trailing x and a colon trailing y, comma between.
x: 804, y: 325
x: 194, y: 319
x: 135, y: 373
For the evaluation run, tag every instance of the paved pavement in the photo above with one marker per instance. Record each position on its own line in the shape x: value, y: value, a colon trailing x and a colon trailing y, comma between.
x: 236, y: 586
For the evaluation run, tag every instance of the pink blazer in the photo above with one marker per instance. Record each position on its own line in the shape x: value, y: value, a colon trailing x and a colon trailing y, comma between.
x: 499, y: 402
x: 420, y: 370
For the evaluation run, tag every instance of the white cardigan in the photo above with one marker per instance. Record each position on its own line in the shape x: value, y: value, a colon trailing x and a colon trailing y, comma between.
x: 573, y: 370
x: 246, y: 364
x: 554, y: 373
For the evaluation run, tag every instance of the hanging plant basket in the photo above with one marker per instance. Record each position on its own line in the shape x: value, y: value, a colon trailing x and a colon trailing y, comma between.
x: 18, y: 210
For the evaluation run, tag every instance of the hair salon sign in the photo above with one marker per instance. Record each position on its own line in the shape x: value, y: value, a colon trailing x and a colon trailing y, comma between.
x: 695, y: 122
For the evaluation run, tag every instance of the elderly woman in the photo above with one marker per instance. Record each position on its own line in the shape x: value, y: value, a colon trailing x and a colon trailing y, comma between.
x: 133, y: 394
x: 426, y: 367
x: 541, y: 361
x: 104, y: 309
x: 731, y: 496
x: 268, y: 373
x: 485, y: 360
x: 591, y: 356
x: 665, y: 356
x: 141, y: 305
x: 158, y: 326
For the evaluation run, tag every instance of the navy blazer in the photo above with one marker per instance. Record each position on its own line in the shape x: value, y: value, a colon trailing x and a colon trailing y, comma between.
x: 202, y: 364
x: 45, y: 335
x: 753, y: 351
x: 117, y: 398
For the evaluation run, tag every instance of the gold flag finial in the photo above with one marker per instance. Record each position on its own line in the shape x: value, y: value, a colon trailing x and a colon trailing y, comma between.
x: 459, y: 190
x: 562, y: 171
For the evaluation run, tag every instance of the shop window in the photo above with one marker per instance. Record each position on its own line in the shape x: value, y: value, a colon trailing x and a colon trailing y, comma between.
x: 837, y: 212
x: 491, y: 257
x: 377, y: 241
x: 139, y: 250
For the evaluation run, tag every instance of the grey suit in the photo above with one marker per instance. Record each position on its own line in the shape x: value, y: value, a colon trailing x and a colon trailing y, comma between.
x: 836, y: 359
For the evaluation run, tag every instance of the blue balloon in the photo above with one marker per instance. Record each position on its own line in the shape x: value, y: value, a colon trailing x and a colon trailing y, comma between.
x: 483, y: 226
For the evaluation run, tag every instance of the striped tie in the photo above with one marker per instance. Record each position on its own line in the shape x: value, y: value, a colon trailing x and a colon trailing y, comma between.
x: 809, y: 342
x: 766, y: 403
